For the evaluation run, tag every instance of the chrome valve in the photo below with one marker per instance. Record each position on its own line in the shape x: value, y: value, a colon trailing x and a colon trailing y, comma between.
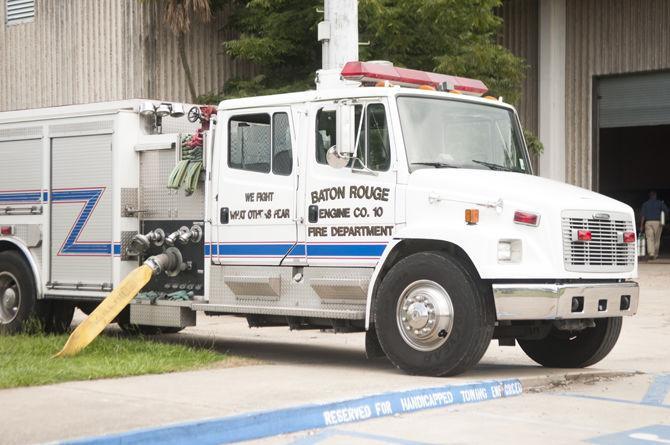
x: 141, y: 242
x: 184, y: 235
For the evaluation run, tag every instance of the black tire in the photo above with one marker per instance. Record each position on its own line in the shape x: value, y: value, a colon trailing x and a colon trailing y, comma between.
x: 58, y: 317
x: 564, y: 349
x: 142, y: 329
x: 473, y: 316
x: 25, y: 312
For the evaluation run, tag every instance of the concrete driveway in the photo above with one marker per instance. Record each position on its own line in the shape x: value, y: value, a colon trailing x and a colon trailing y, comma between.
x: 625, y: 392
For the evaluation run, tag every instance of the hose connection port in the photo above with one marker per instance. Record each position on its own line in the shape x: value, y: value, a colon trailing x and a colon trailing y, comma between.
x: 171, y: 262
x: 184, y: 235
x: 142, y: 242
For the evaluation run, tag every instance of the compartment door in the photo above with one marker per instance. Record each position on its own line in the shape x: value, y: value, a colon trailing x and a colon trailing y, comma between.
x: 81, y: 211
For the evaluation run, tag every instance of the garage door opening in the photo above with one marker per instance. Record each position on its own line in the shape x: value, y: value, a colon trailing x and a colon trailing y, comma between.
x: 632, y: 138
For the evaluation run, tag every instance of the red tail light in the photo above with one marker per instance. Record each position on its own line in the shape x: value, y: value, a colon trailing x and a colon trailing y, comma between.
x: 6, y: 230
x: 527, y: 218
x: 629, y: 237
x: 584, y: 235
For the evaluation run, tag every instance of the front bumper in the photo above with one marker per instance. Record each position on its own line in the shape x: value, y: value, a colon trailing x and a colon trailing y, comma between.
x: 526, y: 301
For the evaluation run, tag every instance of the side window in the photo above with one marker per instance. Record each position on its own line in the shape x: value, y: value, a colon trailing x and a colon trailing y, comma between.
x: 326, y: 130
x: 249, y: 143
x: 282, y: 156
x: 378, y: 155
x: 373, y: 146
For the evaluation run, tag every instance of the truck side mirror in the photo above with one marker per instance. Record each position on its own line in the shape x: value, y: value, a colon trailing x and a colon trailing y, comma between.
x: 339, y: 155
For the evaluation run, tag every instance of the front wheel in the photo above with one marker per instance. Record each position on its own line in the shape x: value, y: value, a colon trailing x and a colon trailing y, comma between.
x: 432, y: 316
x: 566, y: 349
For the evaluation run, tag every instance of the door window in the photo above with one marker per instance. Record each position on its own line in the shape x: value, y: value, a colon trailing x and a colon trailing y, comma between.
x: 373, y: 143
x: 282, y: 157
x: 259, y: 143
x: 249, y: 143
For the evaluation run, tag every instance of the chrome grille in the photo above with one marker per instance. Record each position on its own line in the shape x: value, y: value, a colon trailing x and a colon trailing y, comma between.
x: 604, y: 253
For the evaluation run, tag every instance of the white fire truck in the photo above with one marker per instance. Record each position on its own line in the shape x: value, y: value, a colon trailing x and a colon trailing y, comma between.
x: 388, y: 200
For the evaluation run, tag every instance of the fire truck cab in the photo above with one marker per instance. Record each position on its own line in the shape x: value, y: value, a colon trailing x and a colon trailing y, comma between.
x: 387, y: 200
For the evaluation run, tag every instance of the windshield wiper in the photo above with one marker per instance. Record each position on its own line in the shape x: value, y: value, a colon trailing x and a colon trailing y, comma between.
x: 493, y: 166
x: 437, y: 164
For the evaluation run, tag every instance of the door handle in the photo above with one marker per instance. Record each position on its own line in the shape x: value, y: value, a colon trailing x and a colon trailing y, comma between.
x: 313, y: 214
x: 224, y: 215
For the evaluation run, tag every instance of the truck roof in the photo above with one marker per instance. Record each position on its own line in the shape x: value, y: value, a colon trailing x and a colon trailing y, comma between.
x: 65, y: 111
x: 340, y: 93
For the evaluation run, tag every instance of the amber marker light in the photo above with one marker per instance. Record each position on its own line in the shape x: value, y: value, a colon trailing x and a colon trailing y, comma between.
x: 472, y: 216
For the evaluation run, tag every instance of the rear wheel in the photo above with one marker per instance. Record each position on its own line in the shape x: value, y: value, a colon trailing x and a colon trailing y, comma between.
x: 19, y: 306
x: 432, y: 316
x: 567, y: 349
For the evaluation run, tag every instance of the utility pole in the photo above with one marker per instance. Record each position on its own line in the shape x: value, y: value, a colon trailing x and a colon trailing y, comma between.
x: 338, y: 33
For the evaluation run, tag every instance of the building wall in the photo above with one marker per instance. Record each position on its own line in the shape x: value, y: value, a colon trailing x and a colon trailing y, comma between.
x: 606, y: 37
x: 520, y: 36
x: 79, y: 51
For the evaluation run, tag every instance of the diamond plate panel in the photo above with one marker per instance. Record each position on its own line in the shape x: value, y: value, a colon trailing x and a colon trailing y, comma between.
x: 343, y: 291
x: 126, y: 237
x: 160, y: 202
x: 129, y: 202
x: 159, y: 315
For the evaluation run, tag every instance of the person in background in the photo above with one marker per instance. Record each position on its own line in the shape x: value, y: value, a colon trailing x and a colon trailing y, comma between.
x: 650, y: 219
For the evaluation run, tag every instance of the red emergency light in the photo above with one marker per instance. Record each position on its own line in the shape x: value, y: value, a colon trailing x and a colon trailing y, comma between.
x: 371, y: 72
x: 584, y: 235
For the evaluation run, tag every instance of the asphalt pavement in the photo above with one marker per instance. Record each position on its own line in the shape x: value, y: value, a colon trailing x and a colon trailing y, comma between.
x: 623, y: 399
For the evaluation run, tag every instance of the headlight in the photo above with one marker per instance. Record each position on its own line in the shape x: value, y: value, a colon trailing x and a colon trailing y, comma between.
x: 509, y: 250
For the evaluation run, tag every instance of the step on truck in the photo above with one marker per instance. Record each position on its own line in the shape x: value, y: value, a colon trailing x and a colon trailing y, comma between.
x: 388, y: 200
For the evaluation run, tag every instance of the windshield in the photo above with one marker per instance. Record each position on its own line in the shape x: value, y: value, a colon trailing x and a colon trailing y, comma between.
x: 441, y: 133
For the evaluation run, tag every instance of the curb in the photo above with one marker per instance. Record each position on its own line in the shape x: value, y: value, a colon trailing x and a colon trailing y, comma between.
x: 289, y: 420
x: 546, y: 382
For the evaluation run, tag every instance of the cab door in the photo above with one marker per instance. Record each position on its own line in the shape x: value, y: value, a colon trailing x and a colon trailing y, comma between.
x: 256, y: 191
x: 351, y: 210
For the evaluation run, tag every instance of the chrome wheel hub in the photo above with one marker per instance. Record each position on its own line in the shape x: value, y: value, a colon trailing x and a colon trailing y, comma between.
x: 425, y: 315
x: 10, y: 297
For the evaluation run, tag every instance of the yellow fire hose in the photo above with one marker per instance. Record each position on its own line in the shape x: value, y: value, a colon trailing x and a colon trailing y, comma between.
x: 118, y: 299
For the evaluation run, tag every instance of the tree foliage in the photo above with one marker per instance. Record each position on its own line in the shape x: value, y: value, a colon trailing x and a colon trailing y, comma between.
x: 450, y: 36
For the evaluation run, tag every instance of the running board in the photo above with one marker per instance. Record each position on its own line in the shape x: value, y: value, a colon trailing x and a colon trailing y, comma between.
x: 345, y: 314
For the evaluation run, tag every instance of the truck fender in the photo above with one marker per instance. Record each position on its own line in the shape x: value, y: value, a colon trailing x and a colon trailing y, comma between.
x: 12, y: 243
x: 404, y: 235
x: 373, y: 280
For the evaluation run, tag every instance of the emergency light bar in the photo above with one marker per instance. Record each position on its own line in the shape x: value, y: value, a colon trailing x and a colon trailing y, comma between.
x: 372, y: 73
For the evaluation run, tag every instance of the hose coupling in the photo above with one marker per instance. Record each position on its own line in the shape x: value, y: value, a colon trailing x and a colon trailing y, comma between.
x: 141, y: 242
x: 184, y: 235
x: 170, y: 262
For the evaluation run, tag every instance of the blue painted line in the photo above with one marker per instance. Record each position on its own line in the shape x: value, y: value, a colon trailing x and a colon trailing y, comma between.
x: 341, y: 434
x: 71, y: 245
x: 641, y: 436
x: 283, y: 421
x: 298, y: 250
x: 658, y: 391
x: 655, y: 396
x: 254, y: 249
x: 352, y: 250
x: 345, y: 250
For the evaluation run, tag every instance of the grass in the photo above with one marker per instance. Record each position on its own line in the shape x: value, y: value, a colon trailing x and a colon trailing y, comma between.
x: 25, y: 360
